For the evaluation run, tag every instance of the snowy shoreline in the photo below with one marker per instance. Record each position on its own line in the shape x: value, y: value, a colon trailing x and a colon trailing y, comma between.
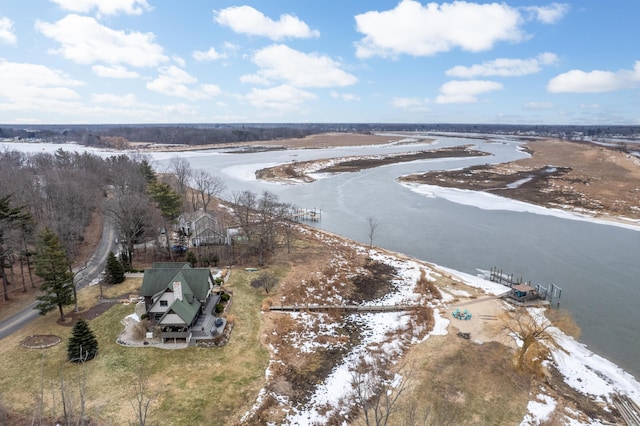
x: 486, y: 201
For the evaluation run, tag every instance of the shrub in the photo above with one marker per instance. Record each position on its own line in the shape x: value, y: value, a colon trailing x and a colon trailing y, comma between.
x: 224, y: 297
x: 219, y: 308
x: 265, y: 280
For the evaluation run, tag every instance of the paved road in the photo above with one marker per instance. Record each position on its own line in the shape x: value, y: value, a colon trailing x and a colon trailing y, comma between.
x: 84, y: 276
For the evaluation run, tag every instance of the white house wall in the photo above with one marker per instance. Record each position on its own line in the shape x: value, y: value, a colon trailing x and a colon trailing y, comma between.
x: 166, y: 296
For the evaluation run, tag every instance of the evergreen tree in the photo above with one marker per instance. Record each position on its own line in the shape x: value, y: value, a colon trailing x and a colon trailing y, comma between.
x: 191, y: 258
x: 83, y: 345
x: 169, y: 203
x: 147, y: 172
x: 54, y: 268
x: 114, y: 271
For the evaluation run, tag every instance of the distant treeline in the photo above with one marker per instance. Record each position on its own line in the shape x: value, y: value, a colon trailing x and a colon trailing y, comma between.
x: 201, y: 134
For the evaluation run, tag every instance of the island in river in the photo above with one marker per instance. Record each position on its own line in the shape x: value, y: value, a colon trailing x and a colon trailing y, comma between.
x: 578, y: 177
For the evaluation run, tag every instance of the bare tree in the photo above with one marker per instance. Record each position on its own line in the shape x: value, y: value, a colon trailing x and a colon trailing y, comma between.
x: 259, y: 218
x: 142, y: 398
x: 286, y: 221
x: 267, y: 218
x: 244, y: 206
x: 373, y: 227
x: 181, y: 168
x: 530, y: 331
x: 132, y: 218
x: 377, y: 387
x: 207, y: 186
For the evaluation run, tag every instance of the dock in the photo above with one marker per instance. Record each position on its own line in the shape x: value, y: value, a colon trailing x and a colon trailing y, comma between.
x: 344, y: 308
x: 311, y: 215
x: 552, y: 293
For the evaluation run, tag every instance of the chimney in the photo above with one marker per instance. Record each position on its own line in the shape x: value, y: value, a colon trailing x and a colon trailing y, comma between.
x: 177, y: 290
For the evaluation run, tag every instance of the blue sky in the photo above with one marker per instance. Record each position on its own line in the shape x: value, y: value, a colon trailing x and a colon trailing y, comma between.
x: 163, y: 61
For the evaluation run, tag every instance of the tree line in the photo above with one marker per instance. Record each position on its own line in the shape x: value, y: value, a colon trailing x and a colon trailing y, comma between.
x: 181, y: 135
x: 201, y: 134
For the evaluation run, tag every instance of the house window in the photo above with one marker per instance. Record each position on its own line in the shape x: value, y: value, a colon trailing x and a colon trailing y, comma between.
x: 164, y: 303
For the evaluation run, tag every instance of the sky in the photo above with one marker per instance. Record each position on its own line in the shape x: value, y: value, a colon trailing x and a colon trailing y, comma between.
x: 291, y: 61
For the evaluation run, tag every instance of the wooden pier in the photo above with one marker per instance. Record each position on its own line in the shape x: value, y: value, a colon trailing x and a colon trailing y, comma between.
x: 344, y: 308
x: 629, y: 410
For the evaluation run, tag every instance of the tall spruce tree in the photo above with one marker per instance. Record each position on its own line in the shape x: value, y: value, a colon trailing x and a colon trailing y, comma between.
x: 54, y: 268
x: 83, y: 345
x: 170, y: 204
x: 114, y: 271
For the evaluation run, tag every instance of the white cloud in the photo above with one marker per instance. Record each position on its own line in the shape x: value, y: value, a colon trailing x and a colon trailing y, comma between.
x: 278, y: 99
x: 504, y: 67
x: 347, y: 97
x: 114, y: 71
x: 174, y: 81
x: 247, y: 20
x: 6, y: 31
x: 548, y: 14
x: 84, y: 40
x: 577, y: 81
x: 410, y: 104
x: 456, y: 92
x: 210, y: 55
x: 25, y: 86
x: 420, y: 30
x: 105, y: 7
x: 281, y: 63
x: 127, y: 100
x: 538, y: 105
x: 179, y: 60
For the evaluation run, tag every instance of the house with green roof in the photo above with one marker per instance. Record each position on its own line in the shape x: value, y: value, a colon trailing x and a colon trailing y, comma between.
x: 178, y: 299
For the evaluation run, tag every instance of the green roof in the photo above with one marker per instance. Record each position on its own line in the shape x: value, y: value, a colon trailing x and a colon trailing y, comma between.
x: 186, y: 311
x: 163, y: 274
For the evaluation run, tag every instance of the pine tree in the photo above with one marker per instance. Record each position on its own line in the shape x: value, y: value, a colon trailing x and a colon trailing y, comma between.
x: 169, y: 203
x: 114, y: 271
x: 191, y: 258
x: 54, y: 268
x: 83, y: 345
